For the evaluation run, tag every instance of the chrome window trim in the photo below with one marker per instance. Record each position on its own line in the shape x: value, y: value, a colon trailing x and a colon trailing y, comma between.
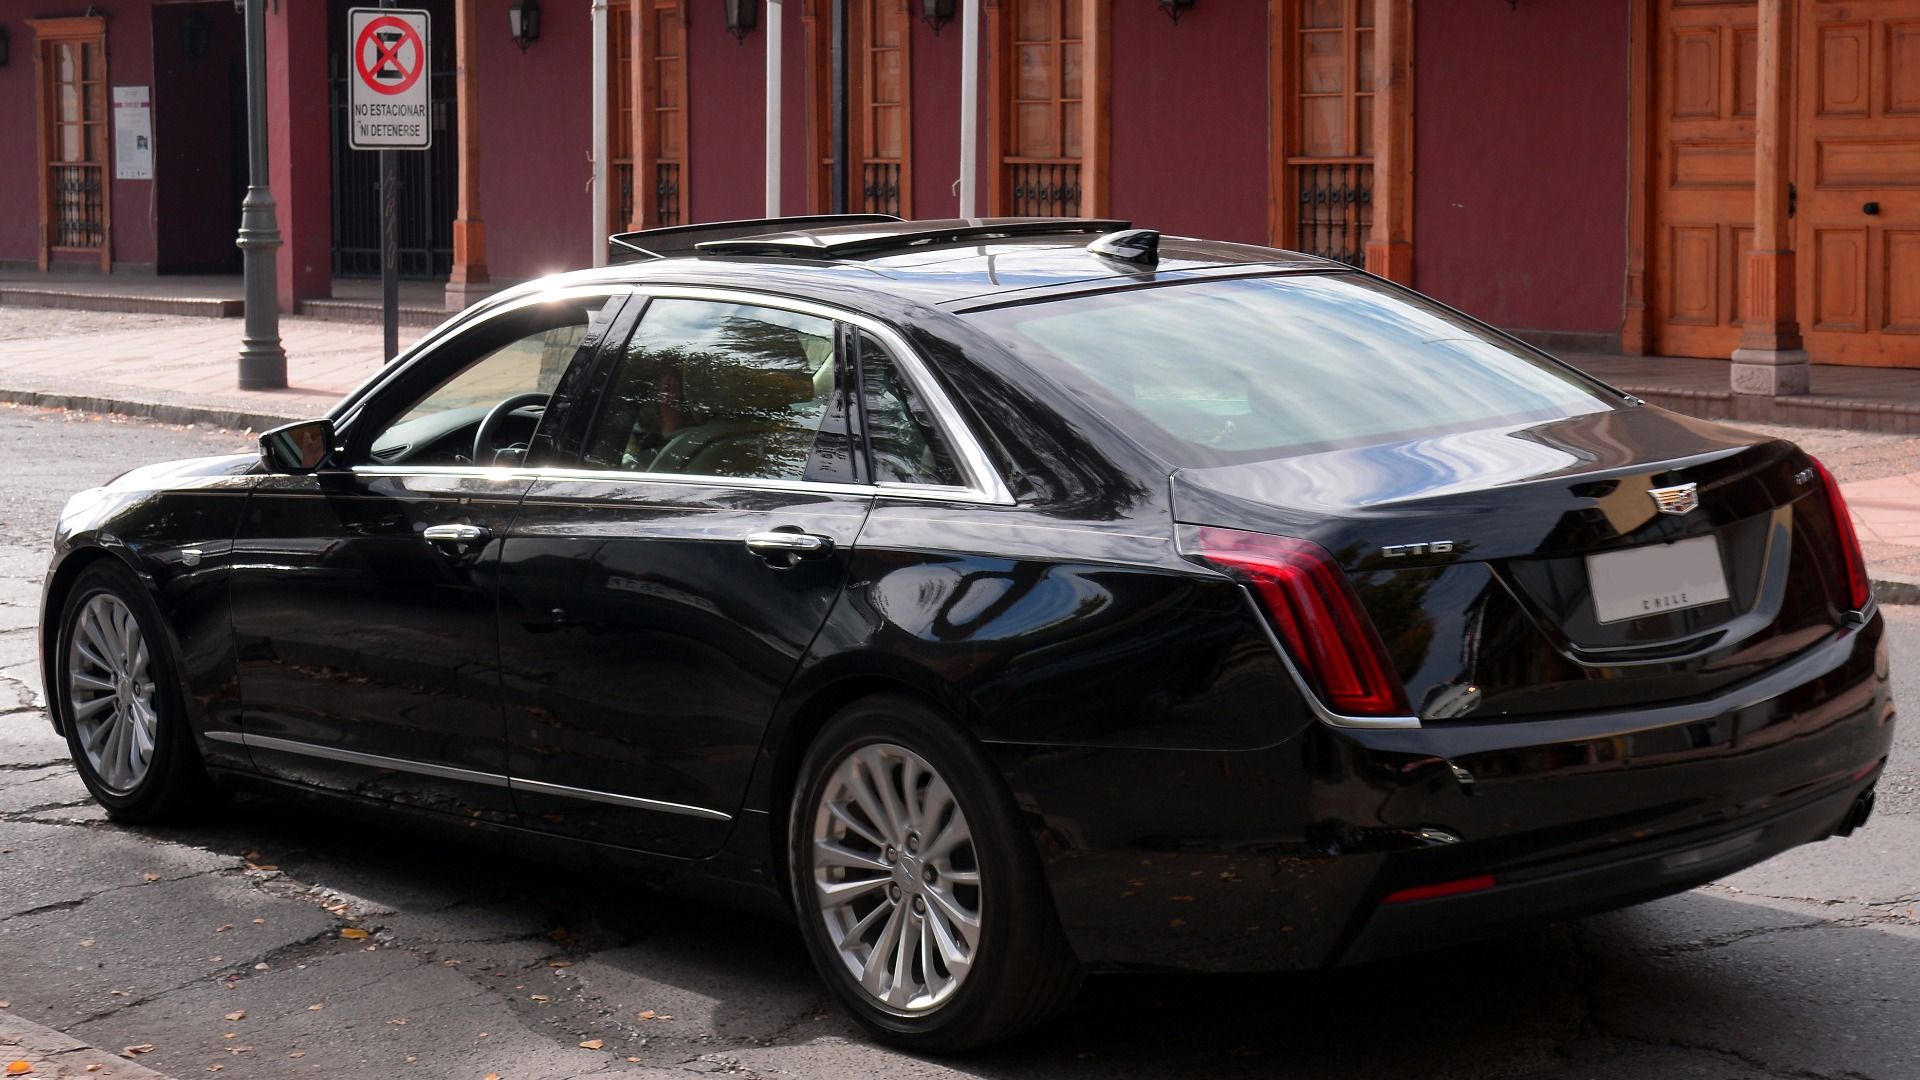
x: 891, y: 490
x: 486, y: 310
x: 471, y: 776
x: 984, y: 484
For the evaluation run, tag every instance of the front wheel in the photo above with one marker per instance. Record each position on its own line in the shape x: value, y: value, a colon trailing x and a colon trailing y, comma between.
x: 920, y: 896
x: 120, y: 701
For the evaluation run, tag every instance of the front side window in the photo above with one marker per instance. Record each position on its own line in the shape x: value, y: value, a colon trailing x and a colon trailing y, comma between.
x: 512, y: 361
x: 715, y: 389
x: 1217, y: 372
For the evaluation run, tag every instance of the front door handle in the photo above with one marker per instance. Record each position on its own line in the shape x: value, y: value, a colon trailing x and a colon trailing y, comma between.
x: 784, y: 547
x: 457, y: 535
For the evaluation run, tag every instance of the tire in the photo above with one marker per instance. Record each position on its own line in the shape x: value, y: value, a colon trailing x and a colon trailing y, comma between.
x: 1015, y: 973
x: 120, y: 703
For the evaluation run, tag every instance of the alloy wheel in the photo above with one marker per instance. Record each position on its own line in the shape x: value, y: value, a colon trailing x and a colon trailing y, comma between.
x: 110, y: 692
x: 897, y: 878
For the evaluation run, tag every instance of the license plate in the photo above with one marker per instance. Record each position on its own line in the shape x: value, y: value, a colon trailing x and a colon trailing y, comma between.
x: 1642, y: 581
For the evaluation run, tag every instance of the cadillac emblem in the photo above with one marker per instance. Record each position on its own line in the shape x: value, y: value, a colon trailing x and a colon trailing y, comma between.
x: 1679, y: 499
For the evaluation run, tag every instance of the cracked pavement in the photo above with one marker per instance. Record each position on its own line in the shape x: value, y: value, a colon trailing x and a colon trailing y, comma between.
x: 473, y: 963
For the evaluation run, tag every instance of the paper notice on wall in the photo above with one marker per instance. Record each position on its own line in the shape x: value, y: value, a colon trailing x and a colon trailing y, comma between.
x: 132, y: 133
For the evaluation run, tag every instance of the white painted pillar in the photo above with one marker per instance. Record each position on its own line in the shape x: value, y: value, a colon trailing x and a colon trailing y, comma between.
x: 776, y: 27
x: 969, y: 108
x: 598, y: 155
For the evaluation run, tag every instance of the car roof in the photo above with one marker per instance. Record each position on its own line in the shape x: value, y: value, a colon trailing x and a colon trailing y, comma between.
x: 957, y: 264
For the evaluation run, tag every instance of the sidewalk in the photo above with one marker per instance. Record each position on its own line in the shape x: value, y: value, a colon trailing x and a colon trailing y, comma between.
x: 182, y: 370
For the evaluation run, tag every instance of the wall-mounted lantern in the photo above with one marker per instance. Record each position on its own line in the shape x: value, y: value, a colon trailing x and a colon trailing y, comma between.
x: 523, y: 19
x: 937, y: 13
x: 193, y: 36
x: 1176, y: 8
x: 5, y: 48
x: 742, y: 17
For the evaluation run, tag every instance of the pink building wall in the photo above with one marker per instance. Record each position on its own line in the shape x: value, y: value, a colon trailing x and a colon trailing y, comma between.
x: 1520, y: 161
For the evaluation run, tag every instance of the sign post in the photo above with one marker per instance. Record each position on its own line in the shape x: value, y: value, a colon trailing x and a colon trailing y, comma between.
x: 389, y: 112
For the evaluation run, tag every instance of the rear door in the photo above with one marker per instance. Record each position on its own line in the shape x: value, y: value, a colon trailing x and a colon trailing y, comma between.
x: 656, y: 595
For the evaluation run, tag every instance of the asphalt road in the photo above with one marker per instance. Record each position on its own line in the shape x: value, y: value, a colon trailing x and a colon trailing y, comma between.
x: 221, y: 945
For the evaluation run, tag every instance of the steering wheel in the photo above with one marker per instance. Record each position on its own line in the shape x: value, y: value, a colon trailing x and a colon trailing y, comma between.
x: 483, y: 449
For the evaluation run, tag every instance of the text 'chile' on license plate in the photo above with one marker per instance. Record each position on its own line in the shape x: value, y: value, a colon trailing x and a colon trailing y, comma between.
x: 1648, y: 580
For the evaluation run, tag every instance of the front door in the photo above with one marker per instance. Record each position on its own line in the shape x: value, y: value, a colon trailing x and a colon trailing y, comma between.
x: 363, y: 596
x: 655, y: 600
x: 1857, y: 226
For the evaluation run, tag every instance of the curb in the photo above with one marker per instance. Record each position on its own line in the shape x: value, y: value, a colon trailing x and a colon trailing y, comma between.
x: 55, y: 1056
x: 234, y: 419
x: 1896, y: 591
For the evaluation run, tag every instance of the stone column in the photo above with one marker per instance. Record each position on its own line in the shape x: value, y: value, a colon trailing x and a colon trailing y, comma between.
x: 469, y: 280
x: 1770, y: 359
x: 1390, y: 245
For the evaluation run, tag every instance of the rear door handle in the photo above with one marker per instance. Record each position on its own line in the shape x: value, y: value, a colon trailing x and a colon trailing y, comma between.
x: 784, y: 547
x: 460, y: 535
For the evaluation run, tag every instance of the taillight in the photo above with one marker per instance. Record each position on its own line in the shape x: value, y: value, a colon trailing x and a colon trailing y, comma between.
x: 1314, y: 612
x: 1859, y: 587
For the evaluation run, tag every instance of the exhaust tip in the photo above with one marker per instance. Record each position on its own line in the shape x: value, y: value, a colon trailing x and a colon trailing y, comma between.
x: 1857, y: 814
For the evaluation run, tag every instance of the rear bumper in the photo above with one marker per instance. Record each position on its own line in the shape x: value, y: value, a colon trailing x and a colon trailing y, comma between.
x: 1281, y: 858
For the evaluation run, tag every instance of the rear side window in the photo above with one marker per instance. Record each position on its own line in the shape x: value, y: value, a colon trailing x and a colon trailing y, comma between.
x: 1215, y: 372
x: 713, y: 389
x: 905, y: 444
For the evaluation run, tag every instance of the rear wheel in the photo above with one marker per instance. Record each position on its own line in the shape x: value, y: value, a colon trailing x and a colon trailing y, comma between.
x: 919, y: 894
x: 120, y: 701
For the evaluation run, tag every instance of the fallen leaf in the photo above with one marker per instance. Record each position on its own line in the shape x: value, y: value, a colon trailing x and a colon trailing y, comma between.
x: 398, y: 1020
x: 593, y: 1044
x: 539, y: 997
x: 95, y: 1067
x: 259, y: 922
x: 86, y: 943
x: 6, y: 1004
x: 223, y: 928
x: 238, y: 1049
x: 237, y: 1014
x: 493, y: 1076
x: 18, y: 1067
x: 647, y: 1015
x: 298, y: 1054
x: 316, y: 1006
x: 137, y: 1048
x: 151, y: 876
x: 215, y: 1068
x: 559, y: 963
x: 261, y: 966
x: 353, y: 933
x: 1177, y: 924
x: 231, y: 1035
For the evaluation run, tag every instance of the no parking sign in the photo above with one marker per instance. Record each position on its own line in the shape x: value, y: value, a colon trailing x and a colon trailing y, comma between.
x: 387, y: 79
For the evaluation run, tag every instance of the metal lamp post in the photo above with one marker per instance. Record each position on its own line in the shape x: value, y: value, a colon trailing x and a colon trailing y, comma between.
x: 263, y: 362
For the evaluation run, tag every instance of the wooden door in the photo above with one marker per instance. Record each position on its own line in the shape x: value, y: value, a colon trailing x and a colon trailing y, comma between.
x: 660, y: 149
x: 1041, y: 86
x: 879, y: 106
x: 620, y: 49
x: 1323, y: 116
x: 1857, y: 224
x: 1705, y: 65
x: 70, y: 61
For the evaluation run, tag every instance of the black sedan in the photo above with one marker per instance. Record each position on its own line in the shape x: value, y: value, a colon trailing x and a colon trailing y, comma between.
x: 1002, y: 601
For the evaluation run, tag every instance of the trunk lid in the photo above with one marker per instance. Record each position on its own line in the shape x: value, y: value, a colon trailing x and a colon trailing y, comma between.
x: 1470, y: 552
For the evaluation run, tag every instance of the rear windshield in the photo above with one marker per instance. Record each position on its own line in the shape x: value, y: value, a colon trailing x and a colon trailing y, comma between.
x: 1217, y: 372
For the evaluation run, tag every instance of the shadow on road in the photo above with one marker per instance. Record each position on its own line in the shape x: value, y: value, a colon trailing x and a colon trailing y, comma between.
x: 1700, y: 984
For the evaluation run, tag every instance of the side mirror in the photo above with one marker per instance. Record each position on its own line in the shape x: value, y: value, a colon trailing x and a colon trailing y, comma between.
x: 297, y: 448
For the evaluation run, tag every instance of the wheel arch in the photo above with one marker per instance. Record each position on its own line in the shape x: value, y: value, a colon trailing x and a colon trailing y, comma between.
x: 53, y: 607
